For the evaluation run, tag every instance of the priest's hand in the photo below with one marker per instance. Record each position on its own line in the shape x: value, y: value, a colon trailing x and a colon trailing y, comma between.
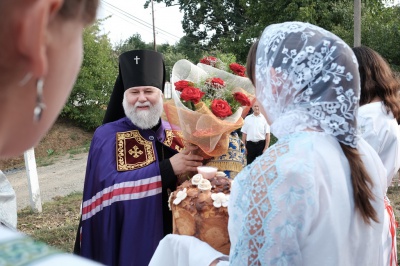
x: 186, y: 161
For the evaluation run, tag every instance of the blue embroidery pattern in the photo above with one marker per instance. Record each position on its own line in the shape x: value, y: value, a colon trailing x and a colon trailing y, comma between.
x: 233, y: 161
x: 268, y: 213
x: 22, y: 251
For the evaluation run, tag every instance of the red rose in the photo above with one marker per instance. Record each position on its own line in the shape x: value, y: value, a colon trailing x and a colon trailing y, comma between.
x: 180, y: 85
x: 241, y: 98
x: 220, y: 108
x: 215, y: 82
x: 238, y: 69
x: 192, y: 94
x: 209, y: 60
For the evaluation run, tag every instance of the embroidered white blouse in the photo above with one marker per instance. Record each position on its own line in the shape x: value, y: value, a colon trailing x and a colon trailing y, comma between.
x: 8, y: 203
x: 382, y: 132
x: 18, y: 249
x: 292, y: 207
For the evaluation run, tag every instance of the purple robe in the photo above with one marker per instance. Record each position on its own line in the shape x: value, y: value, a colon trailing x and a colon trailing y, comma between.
x: 122, y: 216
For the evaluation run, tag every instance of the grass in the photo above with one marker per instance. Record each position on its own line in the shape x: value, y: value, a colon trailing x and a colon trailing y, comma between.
x: 81, y: 149
x: 56, y: 225
x: 58, y: 222
x: 52, y: 156
x: 44, y: 161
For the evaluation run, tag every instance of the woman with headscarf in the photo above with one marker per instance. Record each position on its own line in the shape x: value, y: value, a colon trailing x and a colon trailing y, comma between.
x: 316, y: 196
x: 377, y: 122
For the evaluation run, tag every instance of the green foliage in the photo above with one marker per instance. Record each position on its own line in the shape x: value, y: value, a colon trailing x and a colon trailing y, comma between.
x: 191, y: 49
x: 56, y: 225
x: 233, y: 27
x: 170, y: 58
x: 50, y: 152
x: 272, y: 140
x: 381, y: 32
x: 91, y: 93
x: 226, y: 33
x: 134, y: 42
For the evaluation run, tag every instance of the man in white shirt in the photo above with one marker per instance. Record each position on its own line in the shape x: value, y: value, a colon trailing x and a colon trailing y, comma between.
x: 255, y: 134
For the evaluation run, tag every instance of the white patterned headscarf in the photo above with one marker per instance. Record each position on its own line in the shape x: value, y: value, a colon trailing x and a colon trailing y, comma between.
x: 307, y: 79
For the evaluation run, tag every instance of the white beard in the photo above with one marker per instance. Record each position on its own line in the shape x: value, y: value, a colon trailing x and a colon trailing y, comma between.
x: 144, y: 119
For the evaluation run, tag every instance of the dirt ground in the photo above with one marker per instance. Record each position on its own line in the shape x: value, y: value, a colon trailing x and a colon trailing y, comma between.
x: 64, y: 176
x: 61, y: 159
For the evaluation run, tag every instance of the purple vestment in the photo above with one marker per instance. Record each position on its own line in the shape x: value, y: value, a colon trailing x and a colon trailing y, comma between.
x: 122, y: 218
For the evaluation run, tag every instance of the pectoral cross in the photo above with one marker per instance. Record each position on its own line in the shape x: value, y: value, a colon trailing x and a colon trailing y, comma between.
x: 135, y: 152
x: 136, y: 59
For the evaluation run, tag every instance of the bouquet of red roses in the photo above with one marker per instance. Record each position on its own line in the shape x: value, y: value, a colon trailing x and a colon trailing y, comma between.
x: 207, y: 104
x: 233, y: 67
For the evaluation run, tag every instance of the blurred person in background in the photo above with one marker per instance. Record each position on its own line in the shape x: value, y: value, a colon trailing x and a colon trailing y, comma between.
x: 40, y: 57
x: 377, y: 121
x: 255, y: 134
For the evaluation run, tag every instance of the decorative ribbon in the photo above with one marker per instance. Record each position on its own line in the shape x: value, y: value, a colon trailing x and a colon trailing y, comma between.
x: 392, y: 228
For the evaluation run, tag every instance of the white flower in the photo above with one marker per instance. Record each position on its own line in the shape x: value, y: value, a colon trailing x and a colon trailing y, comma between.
x: 204, y: 185
x: 326, y: 43
x: 169, y: 201
x: 339, y: 90
x: 349, y: 92
x: 341, y: 98
x: 336, y: 80
x: 310, y: 49
x: 196, y: 179
x: 220, y: 174
x: 309, y: 91
x: 325, y: 78
x: 349, y: 76
x: 340, y: 69
x: 181, y: 195
x: 333, y: 66
x: 220, y: 199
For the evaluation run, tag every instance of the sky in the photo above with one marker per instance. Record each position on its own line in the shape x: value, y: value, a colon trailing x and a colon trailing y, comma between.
x: 129, y: 17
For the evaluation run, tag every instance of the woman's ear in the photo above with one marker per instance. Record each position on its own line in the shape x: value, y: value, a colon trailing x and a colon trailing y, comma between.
x: 32, y: 33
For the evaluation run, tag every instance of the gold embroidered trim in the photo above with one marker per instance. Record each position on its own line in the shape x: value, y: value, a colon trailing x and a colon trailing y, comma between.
x: 169, y: 137
x: 226, y: 166
x: 135, y: 151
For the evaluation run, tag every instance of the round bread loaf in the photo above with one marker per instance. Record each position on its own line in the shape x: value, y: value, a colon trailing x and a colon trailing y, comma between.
x: 199, y: 209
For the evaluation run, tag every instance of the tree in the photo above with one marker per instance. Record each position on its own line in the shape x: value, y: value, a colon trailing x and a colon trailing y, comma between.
x: 381, y: 32
x: 170, y: 58
x: 192, y: 51
x: 91, y: 92
x: 234, y: 27
x: 205, y: 22
x: 134, y: 42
